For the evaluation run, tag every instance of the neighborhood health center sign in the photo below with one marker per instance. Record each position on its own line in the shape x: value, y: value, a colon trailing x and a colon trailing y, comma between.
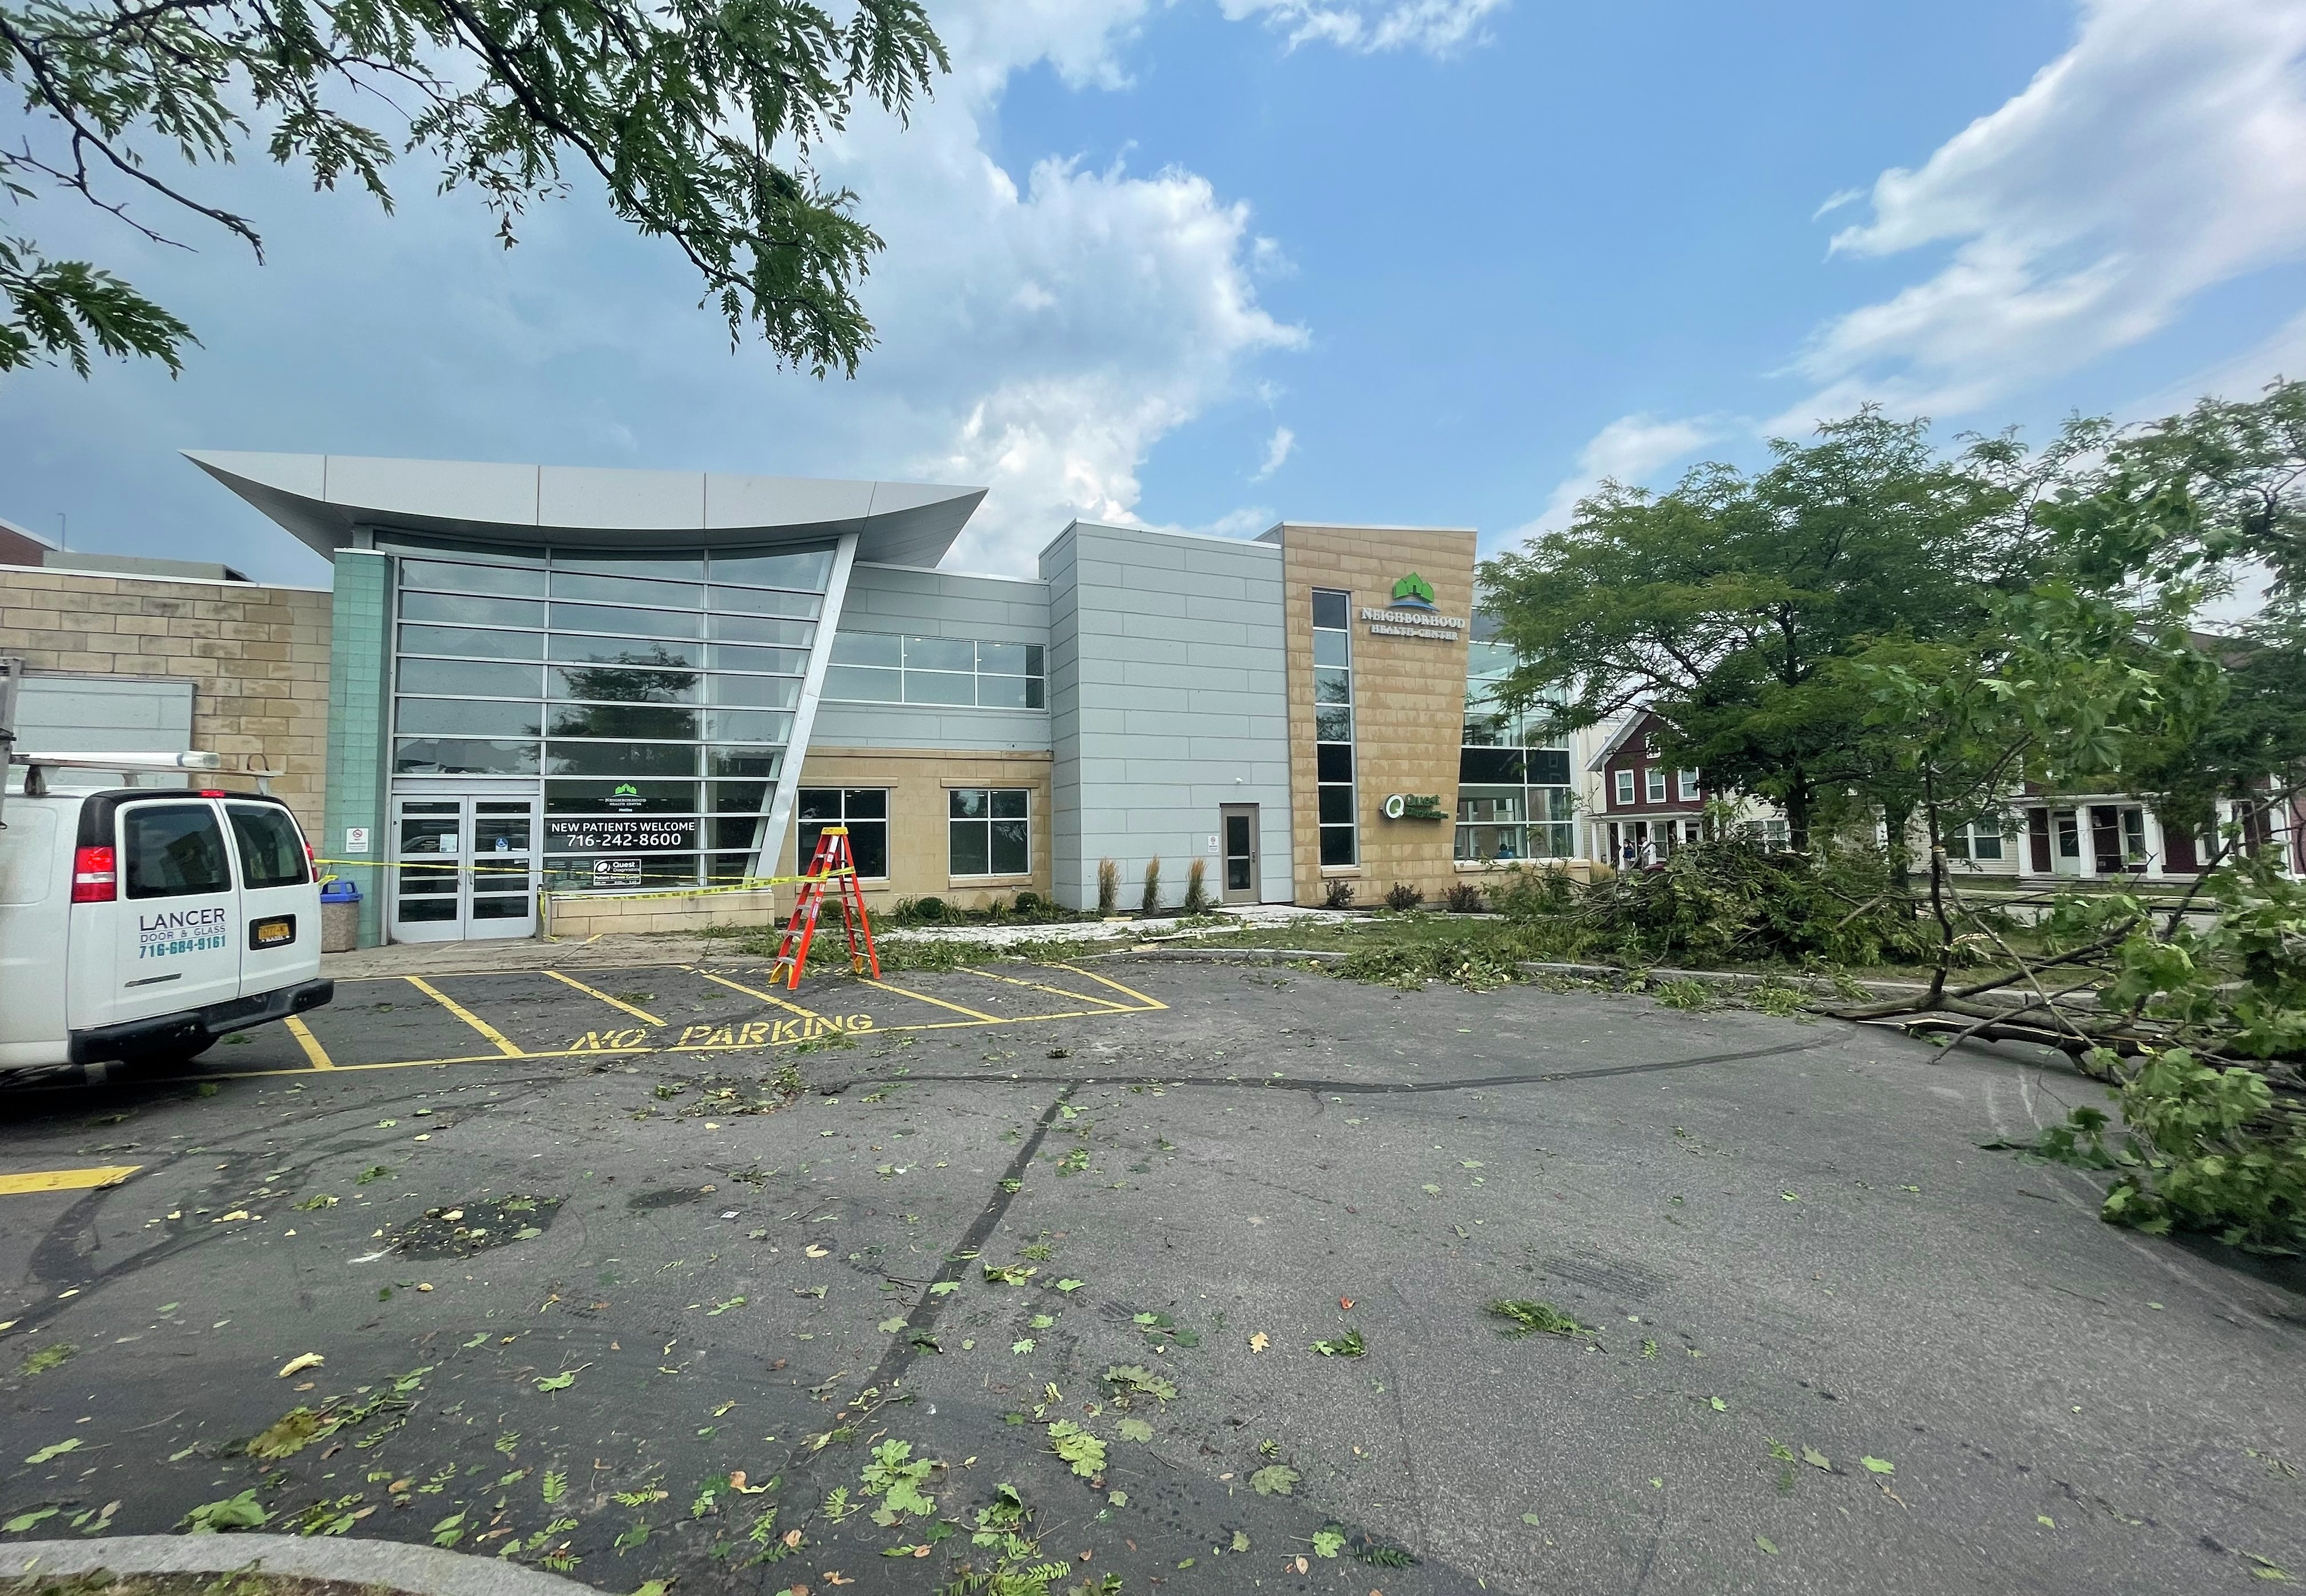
x: 1411, y: 614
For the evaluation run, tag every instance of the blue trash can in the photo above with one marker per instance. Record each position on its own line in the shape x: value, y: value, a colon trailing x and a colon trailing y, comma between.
x: 340, y: 901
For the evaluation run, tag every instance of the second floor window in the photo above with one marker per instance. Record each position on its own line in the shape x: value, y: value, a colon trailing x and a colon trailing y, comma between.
x: 1656, y: 784
x: 1625, y: 789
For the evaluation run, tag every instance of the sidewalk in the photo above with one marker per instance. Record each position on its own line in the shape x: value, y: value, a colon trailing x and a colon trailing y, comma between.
x: 626, y: 950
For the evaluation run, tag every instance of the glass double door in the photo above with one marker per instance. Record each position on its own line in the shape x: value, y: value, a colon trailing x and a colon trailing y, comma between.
x: 464, y: 868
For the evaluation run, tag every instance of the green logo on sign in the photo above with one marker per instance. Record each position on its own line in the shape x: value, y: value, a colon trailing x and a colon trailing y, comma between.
x: 626, y: 790
x: 1414, y: 592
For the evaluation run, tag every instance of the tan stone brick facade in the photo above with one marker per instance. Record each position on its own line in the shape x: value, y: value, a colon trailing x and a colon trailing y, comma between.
x: 257, y: 657
x: 1409, y: 701
x: 918, y: 780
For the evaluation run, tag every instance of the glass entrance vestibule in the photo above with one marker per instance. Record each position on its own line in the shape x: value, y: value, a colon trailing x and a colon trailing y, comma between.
x: 631, y: 712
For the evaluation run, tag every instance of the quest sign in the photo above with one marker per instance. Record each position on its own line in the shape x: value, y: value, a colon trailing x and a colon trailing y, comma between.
x: 1411, y: 614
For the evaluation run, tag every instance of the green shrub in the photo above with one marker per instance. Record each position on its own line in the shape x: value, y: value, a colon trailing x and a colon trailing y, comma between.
x: 1529, y: 892
x: 1338, y: 892
x: 1197, y: 888
x: 929, y: 912
x: 1149, y: 903
x: 1463, y: 897
x: 1402, y: 897
x: 1108, y: 886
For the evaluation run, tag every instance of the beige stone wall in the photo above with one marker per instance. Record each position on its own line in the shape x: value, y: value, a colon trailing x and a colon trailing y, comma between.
x: 574, y: 916
x: 258, y: 658
x: 918, y: 780
x: 1409, y: 701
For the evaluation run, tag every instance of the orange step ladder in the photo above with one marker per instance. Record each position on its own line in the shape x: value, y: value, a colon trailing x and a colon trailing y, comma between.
x: 832, y: 862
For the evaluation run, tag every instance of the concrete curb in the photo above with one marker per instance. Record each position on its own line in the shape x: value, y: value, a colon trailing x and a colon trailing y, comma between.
x: 420, y: 1570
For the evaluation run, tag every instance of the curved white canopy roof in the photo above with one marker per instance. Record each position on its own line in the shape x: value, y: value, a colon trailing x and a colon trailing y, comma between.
x: 323, y: 498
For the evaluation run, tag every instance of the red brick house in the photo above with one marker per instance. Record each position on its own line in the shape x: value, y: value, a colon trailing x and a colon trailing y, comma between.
x: 1646, y: 805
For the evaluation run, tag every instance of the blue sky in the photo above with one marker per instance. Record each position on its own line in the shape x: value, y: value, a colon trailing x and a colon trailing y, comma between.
x: 1213, y: 264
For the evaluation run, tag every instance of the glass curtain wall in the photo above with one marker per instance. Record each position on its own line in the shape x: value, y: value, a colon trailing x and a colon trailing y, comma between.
x: 1514, y: 801
x: 1333, y: 725
x: 653, y: 694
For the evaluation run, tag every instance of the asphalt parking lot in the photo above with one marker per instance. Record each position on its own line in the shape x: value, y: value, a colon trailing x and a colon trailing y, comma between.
x: 594, y: 1293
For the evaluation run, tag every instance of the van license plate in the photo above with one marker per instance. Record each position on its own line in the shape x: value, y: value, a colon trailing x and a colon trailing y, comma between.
x: 277, y: 932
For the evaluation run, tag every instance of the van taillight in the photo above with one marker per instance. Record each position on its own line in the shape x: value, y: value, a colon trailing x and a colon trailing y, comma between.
x: 96, y: 878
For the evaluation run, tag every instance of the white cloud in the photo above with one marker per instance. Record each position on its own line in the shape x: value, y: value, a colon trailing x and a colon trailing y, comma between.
x: 1040, y: 333
x: 2165, y: 152
x: 1437, y: 27
x: 1631, y: 449
x: 1278, y: 449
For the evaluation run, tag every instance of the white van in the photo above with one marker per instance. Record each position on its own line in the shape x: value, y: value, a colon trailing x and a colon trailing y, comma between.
x: 140, y: 923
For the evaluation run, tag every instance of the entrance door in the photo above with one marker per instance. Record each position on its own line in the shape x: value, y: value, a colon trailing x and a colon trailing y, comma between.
x: 2066, y: 836
x: 464, y: 867
x: 1241, y: 874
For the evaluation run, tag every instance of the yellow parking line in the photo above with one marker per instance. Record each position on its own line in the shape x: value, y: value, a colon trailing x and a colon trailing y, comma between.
x: 765, y: 997
x: 940, y: 1003
x: 1151, y: 1003
x: 465, y: 1014
x: 613, y: 1003
x: 1079, y: 997
x: 67, y: 1180
x: 311, y: 1044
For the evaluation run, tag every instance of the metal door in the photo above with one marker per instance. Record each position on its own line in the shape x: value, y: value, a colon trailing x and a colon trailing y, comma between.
x: 1239, y: 829
x: 464, y: 868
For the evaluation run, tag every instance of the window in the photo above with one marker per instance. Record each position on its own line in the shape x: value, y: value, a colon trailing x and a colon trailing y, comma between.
x: 1504, y: 824
x: 1656, y: 784
x: 173, y: 850
x: 1688, y: 785
x: 1625, y: 789
x: 881, y: 668
x: 627, y: 682
x: 988, y: 831
x: 1980, y: 841
x: 1332, y: 727
x: 864, y: 810
x: 2133, y: 836
x: 1509, y: 761
x: 272, y: 853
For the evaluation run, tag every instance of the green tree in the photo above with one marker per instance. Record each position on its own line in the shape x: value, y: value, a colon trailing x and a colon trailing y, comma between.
x: 696, y: 119
x: 2059, y: 686
x: 2185, y: 510
x: 1723, y: 603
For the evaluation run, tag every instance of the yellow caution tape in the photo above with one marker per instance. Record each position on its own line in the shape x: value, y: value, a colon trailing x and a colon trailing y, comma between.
x: 751, y: 884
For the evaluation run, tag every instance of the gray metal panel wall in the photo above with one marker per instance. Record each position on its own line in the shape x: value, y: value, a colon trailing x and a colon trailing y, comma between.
x: 104, y: 714
x: 900, y: 599
x: 1168, y: 696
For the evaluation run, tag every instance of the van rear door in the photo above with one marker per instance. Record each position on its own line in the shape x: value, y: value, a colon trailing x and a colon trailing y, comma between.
x: 33, y: 886
x: 278, y: 900
x: 176, y: 925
